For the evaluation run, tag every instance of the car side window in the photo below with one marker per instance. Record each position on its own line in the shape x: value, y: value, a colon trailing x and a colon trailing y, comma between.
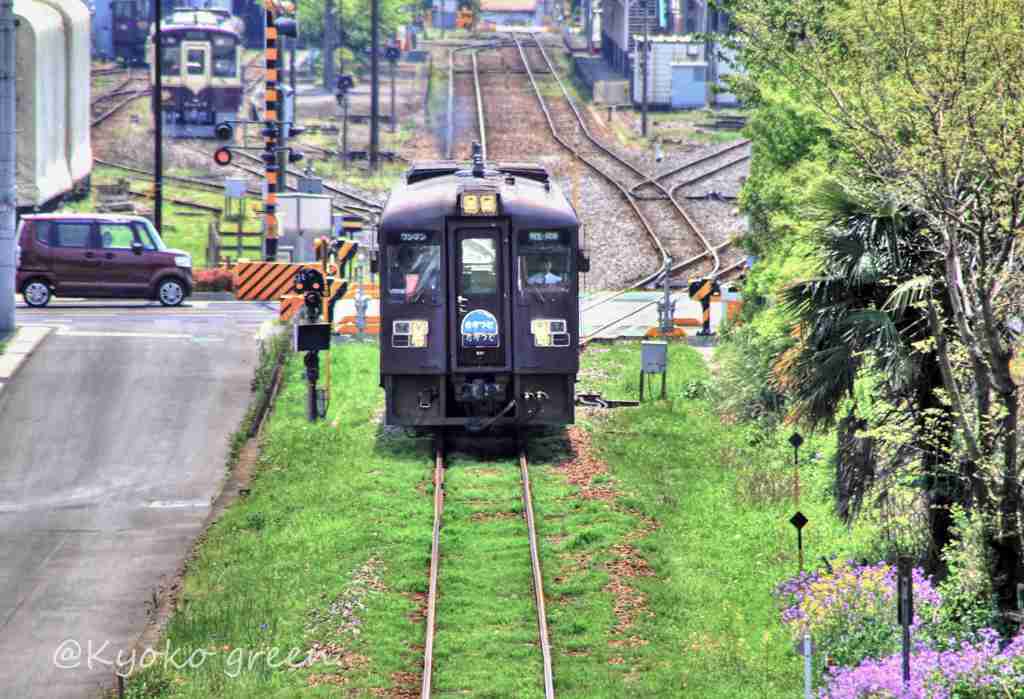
x: 42, y: 229
x: 116, y: 236
x: 73, y: 235
x: 144, y: 237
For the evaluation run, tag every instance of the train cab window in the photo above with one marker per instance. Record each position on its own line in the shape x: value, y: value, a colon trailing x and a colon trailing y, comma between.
x: 479, y: 266
x: 225, y: 63
x: 414, y: 272
x: 171, y: 59
x: 196, y: 61
x: 543, y: 261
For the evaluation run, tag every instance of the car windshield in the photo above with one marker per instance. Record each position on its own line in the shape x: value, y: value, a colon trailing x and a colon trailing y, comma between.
x: 145, y: 229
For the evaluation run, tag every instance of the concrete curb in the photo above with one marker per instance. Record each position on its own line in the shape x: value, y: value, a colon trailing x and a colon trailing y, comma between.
x: 25, y: 342
x: 211, y: 296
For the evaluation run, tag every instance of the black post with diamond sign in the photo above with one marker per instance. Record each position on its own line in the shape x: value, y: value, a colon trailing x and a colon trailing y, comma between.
x: 799, y: 521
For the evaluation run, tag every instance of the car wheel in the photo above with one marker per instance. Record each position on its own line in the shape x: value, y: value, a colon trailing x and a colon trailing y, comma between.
x: 170, y: 292
x: 36, y: 293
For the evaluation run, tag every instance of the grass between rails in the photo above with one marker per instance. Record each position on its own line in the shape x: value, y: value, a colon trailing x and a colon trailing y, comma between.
x: 658, y: 568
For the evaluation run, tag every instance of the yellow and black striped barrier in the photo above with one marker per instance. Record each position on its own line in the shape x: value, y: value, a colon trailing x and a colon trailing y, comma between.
x: 266, y: 281
x: 702, y: 290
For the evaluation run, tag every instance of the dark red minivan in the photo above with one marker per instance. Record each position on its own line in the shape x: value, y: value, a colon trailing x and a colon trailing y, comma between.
x: 98, y: 256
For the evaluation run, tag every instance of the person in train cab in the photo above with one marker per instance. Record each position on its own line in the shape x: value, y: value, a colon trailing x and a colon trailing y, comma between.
x: 547, y: 277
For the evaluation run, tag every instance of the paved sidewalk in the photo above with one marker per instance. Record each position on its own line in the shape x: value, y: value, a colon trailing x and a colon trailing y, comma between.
x: 19, y: 349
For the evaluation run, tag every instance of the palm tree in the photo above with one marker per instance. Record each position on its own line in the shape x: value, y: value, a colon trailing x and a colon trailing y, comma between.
x: 856, y: 313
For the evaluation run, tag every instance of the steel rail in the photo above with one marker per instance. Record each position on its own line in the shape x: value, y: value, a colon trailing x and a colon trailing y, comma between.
x: 368, y: 204
x: 584, y: 339
x: 664, y: 269
x: 592, y: 165
x: 435, y: 563
x: 660, y: 177
x: 119, y: 89
x: 450, y: 126
x: 119, y: 106
x: 538, y: 578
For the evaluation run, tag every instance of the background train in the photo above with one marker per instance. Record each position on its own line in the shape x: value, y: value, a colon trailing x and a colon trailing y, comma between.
x: 202, y: 74
x: 121, y: 28
x: 479, y: 298
x: 53, y: 94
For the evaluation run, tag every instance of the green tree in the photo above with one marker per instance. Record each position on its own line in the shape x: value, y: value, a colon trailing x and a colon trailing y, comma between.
x: 923, y: 100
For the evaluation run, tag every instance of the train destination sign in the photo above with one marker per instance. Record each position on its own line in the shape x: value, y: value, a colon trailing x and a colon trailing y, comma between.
x: 480, y: 330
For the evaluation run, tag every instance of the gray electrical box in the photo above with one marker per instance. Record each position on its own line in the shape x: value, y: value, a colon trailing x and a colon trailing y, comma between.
x: 235, y: 187
x: 654, y: 357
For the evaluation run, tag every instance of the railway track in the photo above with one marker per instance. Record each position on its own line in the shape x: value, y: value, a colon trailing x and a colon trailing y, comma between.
x: 109, y: 103
x: 435, y: 568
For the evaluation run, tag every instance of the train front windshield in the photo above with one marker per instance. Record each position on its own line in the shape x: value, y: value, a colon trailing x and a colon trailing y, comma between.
x: 414, y: 272
x: 543, y: 261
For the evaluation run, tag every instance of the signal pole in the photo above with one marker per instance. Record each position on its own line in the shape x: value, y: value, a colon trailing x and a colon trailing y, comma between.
x: 8, y: 166
x: 647, y: 49
x: 374, y: 82
x: 158, y: 125
x: 271, y: 131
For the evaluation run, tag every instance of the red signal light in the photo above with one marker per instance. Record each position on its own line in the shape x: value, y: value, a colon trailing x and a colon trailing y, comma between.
x: 222, y: 156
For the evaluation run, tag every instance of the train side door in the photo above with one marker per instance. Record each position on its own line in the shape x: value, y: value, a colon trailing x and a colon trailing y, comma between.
x: 480, y: 321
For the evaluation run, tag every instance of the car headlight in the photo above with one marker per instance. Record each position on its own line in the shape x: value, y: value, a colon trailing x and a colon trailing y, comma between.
x: 549, y: 332
x: 409, y: 333
x: 183, y: 261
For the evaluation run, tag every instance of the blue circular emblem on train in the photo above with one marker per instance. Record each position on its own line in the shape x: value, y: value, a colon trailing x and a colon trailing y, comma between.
x: 480, y: 330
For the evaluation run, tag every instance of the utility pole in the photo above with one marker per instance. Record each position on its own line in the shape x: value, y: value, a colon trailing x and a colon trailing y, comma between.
x: 647, y: 50
x: 8, y: 165
x: 394, y: 67
x: 374, y: 82
x: 158, y: 118
x: 330, y: 44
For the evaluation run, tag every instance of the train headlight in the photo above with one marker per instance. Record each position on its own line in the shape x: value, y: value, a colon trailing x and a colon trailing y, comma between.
x: 489, y: 204
x: 479, y: 203
x: 549, y: 332
x: 410, y: 333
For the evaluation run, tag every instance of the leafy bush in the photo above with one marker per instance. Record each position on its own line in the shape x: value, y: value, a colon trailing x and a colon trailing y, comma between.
x: 850, y: 610
x: 216, y: 279
x: 745, y: 384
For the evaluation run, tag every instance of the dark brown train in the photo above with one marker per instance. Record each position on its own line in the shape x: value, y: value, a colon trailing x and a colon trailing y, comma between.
x: 202, y: 73
x: 479, y: 271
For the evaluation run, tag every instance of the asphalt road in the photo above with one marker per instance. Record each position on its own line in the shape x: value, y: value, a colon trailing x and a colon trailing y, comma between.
x: 113, y: 439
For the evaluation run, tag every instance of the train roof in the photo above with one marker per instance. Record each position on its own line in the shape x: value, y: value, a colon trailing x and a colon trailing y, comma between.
x: 430, y: 192
x: 172, y: 29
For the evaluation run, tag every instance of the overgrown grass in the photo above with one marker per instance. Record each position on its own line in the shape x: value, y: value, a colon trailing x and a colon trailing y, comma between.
x: 5, y: 339
x: 184, y: 228
x: 658, y: 576
x: 723, y: 538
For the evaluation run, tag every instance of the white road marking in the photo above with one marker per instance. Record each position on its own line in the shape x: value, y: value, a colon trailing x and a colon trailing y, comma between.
x: 65, y: 332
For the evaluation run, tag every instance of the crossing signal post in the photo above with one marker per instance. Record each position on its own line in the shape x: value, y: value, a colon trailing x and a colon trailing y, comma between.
x: 321, y: 289
x: 278, y: 25
x: 393, y: 54
x: 345, y: 83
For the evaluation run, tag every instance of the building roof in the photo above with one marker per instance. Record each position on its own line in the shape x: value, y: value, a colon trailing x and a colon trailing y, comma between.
x: 508, y: 5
